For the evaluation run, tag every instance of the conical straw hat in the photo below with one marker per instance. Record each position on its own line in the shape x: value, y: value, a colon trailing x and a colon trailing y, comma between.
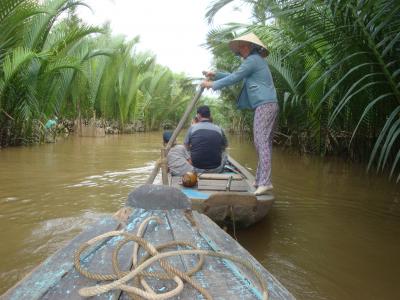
x: 250, y: 38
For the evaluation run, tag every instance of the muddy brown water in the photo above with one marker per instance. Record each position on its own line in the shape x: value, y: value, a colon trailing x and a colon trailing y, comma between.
x: 333, y: 233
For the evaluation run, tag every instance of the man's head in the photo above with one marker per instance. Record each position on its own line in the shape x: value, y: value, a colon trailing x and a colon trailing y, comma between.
x: 204, y: 112
x: 167, y: 136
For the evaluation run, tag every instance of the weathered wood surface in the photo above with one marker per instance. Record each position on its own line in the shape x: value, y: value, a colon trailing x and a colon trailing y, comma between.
x: 222, y: 185
x: 215, y: 276
x: 218, y: 176
x: 159, y: 234
x: 242, y: 170
x: 56, y: 278
x: 165, y: 233
x: 228, y: 245
x: 55, y: 268
x: 232, y: 199
x: 98, y: 262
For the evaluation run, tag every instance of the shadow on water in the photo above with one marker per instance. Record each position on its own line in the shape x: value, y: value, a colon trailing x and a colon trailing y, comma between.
x: 333, y: 232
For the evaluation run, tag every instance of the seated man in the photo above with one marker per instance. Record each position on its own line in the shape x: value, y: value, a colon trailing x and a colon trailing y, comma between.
x: 206, y: 142
x: 178, y: 158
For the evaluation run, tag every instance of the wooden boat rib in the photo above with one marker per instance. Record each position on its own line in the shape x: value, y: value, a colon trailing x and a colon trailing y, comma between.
x: 57, y: 278
x: 227, y: 197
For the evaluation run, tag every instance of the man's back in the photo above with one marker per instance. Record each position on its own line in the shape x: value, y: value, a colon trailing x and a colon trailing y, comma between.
x: 207, y: 141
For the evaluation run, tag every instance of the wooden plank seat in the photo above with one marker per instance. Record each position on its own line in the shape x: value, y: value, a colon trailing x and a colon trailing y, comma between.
x: 221, y: 176
x: 222, y: 185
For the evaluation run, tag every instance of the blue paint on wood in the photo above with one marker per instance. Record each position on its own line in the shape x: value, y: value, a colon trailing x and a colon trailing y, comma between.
x: 233, y: 268
x: 191, y: 193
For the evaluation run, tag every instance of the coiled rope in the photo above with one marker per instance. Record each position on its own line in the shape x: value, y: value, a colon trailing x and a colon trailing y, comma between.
x: 120, y: 278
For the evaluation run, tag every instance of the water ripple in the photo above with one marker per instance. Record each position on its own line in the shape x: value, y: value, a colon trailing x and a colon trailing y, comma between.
x: 127, y: 176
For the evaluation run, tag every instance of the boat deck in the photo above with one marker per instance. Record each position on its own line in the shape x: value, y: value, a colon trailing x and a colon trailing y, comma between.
x: 57, y: 278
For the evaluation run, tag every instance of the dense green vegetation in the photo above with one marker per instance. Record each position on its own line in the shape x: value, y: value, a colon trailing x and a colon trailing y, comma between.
x: 336, y: 67
x: 335, y: 64
x: 53, y: 64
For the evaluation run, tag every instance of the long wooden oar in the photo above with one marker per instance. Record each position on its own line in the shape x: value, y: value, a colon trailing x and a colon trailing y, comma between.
x: 175, y: 134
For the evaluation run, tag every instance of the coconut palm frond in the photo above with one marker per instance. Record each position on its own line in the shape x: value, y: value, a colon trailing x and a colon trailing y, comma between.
x: 214, y: 8
x: 14, y: 17
x: 13, y: 63
x: 65, y: 38
x: 338, y: 60
x: 41, y: 25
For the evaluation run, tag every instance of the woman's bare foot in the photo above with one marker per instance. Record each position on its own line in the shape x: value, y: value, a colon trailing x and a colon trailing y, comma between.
x: 263, y: 189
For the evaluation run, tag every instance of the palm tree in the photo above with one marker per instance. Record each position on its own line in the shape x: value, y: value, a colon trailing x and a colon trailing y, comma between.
x: 35, y: 62
x: 51, y: 63
x: 339, y: 61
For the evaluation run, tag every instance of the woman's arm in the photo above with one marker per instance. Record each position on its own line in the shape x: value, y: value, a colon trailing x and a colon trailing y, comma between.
x: 245, y: 69
x: 226, y: 79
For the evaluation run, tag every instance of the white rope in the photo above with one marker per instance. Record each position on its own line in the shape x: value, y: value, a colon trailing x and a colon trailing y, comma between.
x: 148, y: 293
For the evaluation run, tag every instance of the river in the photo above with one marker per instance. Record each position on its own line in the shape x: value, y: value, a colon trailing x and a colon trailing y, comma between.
x: 333, y: 232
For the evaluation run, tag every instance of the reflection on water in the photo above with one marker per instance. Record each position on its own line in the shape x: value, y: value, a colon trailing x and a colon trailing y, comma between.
x: 333, y: 231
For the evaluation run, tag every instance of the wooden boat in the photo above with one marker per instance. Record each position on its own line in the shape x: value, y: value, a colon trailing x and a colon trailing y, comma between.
x: 164, y: 214
x: 227, y: 198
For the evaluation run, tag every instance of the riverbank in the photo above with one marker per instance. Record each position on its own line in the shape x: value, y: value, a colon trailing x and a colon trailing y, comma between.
x: 63, y: 128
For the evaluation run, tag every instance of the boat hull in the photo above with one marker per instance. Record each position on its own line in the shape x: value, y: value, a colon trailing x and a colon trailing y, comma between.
x: 235, y: 210
x: 228, y: 198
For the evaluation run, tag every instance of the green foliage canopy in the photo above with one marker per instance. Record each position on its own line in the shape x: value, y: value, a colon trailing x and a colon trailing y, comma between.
x: 51, y: 63
x: 336, y: 68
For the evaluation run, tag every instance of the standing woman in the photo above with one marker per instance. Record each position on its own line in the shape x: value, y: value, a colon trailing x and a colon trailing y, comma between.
x: 258, y: 93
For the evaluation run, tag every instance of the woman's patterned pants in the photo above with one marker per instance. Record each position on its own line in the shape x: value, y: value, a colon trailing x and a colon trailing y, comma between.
x: 263, y: 129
